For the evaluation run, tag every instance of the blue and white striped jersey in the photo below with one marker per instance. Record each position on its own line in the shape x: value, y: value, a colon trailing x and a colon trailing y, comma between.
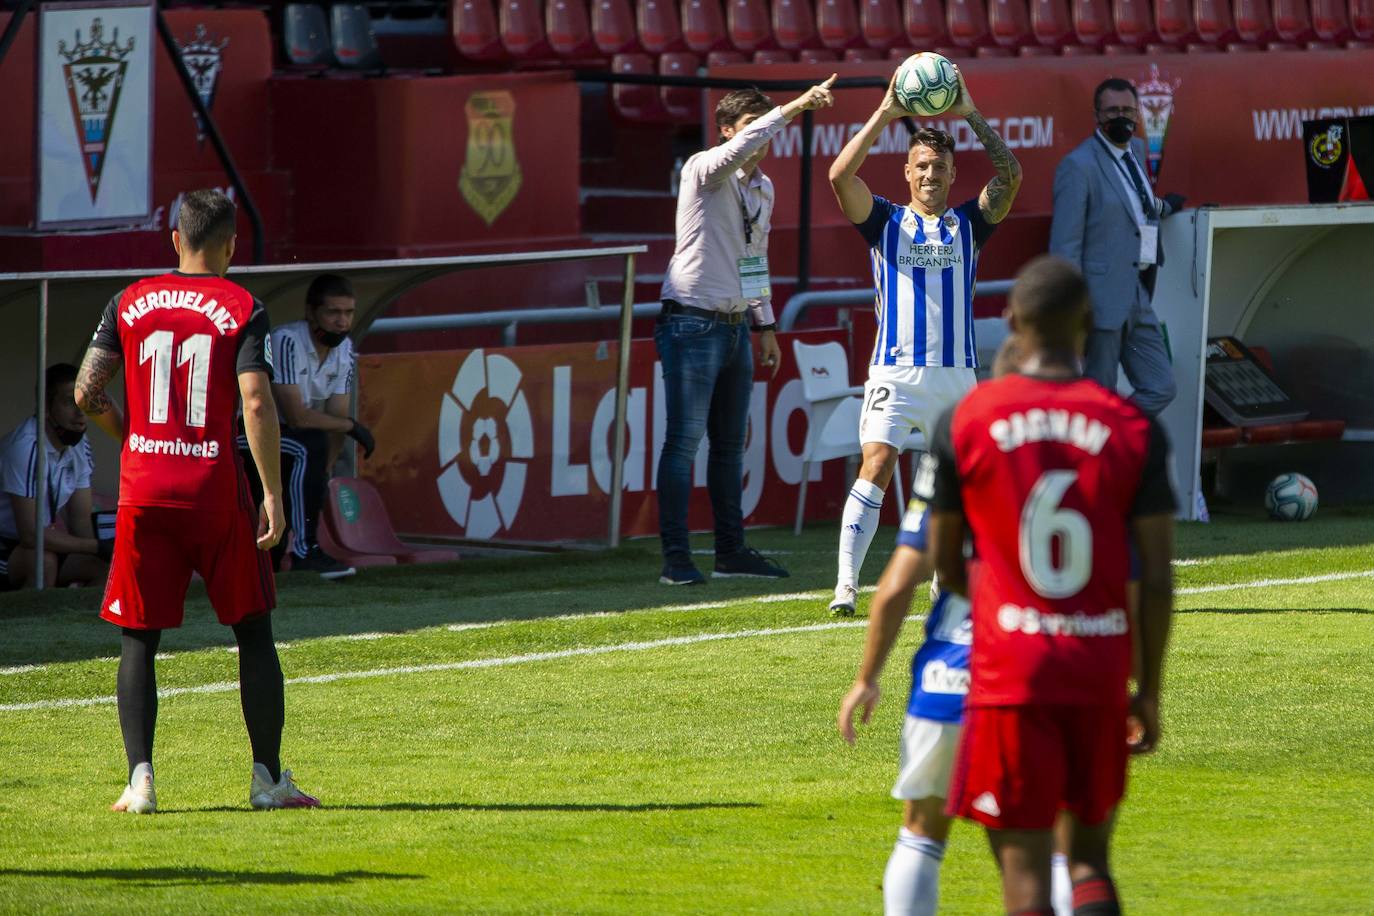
x: 939, y: 669
x: 923, y: 279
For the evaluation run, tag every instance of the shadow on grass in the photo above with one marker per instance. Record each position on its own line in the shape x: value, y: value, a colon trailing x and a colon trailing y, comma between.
x: 1276, y: 610
x: 163, y: 876
x: 61, y: 625
x: 555, y: 807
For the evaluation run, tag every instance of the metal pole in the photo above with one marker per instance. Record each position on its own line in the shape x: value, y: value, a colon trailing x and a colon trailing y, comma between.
x: 212, y: 131
x: 804, y: 206
x: 40, y: 498
x: 622, y: 396
x: 12, y: 30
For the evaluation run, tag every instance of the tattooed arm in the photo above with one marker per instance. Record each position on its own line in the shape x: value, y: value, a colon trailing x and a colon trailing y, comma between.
x: 995, y: 201
x: 99, y: 366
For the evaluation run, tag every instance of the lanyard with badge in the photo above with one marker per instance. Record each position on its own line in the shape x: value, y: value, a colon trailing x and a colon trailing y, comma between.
x: 1149, y: 230
x: 753, y: 269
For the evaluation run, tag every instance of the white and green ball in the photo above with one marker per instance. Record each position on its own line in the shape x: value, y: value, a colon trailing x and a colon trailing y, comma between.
x: 1291, y: 498
x: 926, y: 84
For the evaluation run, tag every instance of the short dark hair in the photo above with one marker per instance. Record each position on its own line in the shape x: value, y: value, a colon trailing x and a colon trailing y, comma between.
x: 206, y: 217
x: 1113, y: 84
x: 57, y: 374
x: 934, y: 138
x: 326, y: 285
x: 735, y: 105
x: 1050, y: 300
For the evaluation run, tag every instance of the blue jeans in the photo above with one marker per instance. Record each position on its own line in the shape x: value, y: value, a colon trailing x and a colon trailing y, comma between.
x: 708, y: 375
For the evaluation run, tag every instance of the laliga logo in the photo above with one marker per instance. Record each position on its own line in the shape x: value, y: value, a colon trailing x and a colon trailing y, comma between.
x: 480, y: 491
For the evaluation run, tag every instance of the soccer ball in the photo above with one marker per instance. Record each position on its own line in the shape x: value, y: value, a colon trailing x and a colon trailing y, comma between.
x: 926, y: 84
x: 1291, y: 498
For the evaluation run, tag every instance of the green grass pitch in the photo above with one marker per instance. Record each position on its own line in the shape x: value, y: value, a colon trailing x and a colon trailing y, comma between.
x: 562, y: 735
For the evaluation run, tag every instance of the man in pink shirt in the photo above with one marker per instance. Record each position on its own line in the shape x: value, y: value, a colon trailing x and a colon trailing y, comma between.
x: 716, y: 286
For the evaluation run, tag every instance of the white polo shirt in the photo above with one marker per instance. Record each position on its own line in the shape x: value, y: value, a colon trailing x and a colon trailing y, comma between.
x: 69, y: 470
x: 295, y: 362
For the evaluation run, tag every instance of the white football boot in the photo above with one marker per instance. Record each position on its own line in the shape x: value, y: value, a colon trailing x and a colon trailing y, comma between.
x: 284, y: 793
x: 138, y: 797
x: 845, y: 598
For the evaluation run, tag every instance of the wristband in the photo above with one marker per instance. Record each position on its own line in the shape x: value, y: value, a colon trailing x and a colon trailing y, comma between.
x: 766, y: 327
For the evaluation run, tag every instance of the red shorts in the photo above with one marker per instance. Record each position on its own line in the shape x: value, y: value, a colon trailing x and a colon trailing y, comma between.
x: 1019, y: 765
x: 155, y: 551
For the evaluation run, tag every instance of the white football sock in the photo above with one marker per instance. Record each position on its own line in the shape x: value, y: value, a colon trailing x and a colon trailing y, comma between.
x: 911, y: 883
x: 857, y: 527
x: 1061, y: 885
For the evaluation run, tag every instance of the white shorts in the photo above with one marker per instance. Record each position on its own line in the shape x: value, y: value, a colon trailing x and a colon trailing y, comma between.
x: 927, y: 759
x: 900, y: 399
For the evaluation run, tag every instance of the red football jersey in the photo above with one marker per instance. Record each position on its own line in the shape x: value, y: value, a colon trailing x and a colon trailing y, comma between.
x: 1048, y: 474
x: 184, y: 338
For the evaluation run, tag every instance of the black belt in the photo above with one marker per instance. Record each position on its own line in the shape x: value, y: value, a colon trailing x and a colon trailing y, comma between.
x: 673, y: 307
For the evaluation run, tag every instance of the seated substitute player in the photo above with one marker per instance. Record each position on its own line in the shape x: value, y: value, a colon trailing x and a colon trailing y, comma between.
x: 312, y: 382
x: 71, y: 553
x: 925, y: 258
x: 930, y: 734
x: 195, y: 343
x: 1053, y: 476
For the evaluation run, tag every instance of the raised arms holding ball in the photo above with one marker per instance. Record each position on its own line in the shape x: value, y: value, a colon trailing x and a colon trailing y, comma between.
x: 930, y: 180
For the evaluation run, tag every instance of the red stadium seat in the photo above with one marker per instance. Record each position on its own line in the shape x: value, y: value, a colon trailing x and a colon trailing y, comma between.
x: 925, y: 22
x: 1220, y: 436
x: 1008, y: 22
x: 817, y: 56
x: 1155, y: 48
x: 1047, y: 51
x: 639, y: 102
x: 1049, y: 21
x: 1119, y: 50
x: 794, y: 24
x: 1076, y: 50
x: 613, y: 26
x: 837, y: 23
x: 367, y: 529
x: 725, y: 58
x: 475, y: 30
x: 1253, y: 23
x: 1174, y: 20
x: 330, y: 545
x: 747, y: 23
x: 1213, y: 21
x: 774, y: 56
x: 659, y: 28
x: 1135, y: 24
x: 862, y: 55
x: 1362, y: 19
x: 522, y: 29
x: 880, y: 22
x: 967, y: 21
x: 683, y: 103
x: 1330, y: 20
x: 1092, y: 22
x: 1292, y: 22
x: 569, y: 28
x: 703, y: 25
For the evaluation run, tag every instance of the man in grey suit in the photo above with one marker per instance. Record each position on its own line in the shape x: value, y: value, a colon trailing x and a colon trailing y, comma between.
x: 1106, y: 221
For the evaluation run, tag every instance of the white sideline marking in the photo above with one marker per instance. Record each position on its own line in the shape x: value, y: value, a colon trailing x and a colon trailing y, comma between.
x: 1267, y: 583
x: 225, y: 687
x: 22, y: 669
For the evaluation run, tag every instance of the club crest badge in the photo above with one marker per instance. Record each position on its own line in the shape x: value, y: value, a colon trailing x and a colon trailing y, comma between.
x: 204, y: 57
x: 1325, y: 148
x: 490, y: 177
x: 94, y: 74
x: 1157, y: 107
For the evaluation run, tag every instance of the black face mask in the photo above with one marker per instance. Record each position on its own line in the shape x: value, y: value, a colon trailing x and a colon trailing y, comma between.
x: 330, y: 339
x: 1118, y: 130
x: 69, y: 437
